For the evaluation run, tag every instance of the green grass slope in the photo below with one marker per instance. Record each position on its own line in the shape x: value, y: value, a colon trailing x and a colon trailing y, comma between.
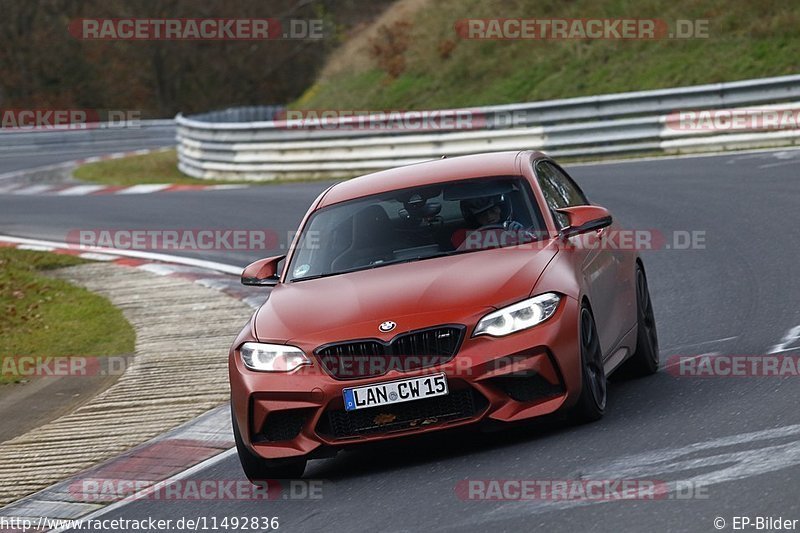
x: 412, y: 58
x: 47, y: 317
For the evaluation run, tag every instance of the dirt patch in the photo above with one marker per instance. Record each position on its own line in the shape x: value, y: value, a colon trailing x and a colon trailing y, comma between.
x: 354, y: 54
x: 24, y: 406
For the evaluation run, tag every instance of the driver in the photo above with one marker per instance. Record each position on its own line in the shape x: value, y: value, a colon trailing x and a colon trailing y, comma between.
x: 490, y: 214
x: 489, y: 211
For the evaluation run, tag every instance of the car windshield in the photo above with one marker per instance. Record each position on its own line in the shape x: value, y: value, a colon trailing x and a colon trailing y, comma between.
x: 415, y: 224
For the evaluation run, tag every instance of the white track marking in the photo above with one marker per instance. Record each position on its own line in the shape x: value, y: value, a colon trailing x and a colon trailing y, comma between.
x: 98, y: 257
x: 792, y: 337
x: 36, y: 247
x: 158, y: 269
x: 781, y: 164
x: 147, y: 256
x: 75, y: 162
x: 721, y: 464
x: 144, y: 189
x: 80, y: 190
x: 225, y: 186
x: 790, y: 349
x: 696, y: 344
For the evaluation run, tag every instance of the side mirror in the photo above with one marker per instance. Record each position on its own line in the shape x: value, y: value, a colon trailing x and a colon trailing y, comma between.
x: 583, y: 219
x: 262, y: 273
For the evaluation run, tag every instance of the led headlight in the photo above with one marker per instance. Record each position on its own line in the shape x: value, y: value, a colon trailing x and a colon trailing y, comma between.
x: 272, y: 357
x: 521, y: 315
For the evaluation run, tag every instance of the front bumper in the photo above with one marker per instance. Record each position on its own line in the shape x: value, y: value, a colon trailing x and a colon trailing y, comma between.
x: 507, y: 379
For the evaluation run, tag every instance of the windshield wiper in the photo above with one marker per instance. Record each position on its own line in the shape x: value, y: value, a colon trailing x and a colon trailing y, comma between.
x: 316, y: 276
x: 382, y: 263
x: 410, y: 259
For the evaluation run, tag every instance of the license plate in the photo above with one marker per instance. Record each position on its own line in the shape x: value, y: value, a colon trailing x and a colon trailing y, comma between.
x: 403, y: 390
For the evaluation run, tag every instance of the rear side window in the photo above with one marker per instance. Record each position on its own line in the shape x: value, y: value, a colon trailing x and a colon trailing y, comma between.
x: 559, y: 190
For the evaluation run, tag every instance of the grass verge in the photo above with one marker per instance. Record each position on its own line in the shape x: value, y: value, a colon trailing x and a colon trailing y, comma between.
x: 156, y: 167
x: 47, y: 317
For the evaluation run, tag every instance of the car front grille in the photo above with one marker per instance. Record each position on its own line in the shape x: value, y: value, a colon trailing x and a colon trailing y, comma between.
x: 458, y: 405
x: 406, y: 352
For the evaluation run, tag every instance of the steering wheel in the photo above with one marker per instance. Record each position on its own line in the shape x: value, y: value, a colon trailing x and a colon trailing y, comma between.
x: 522, y: 231
x: 492, y: 226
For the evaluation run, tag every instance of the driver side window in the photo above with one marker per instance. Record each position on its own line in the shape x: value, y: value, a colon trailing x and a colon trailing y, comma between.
x: 559, y: 190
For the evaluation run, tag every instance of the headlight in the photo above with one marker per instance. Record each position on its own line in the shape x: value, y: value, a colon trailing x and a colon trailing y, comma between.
x: 522, y: 315
x: 272, y: 357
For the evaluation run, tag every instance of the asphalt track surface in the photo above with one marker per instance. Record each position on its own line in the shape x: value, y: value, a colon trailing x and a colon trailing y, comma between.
x: 737, y: 439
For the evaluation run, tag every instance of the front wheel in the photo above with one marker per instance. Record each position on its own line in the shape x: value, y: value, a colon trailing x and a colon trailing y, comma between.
x: 591, y: 404
x: 258, y: 469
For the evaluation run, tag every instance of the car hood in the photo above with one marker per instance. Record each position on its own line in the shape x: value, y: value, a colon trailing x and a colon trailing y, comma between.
x: 453, y: 289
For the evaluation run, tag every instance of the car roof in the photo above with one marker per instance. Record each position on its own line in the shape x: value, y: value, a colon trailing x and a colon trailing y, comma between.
x: 435, y: 171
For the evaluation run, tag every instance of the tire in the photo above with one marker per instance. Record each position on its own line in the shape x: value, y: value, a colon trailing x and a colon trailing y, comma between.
x: 258, y: 469
x: 591, y: 404
x: 645, y: 359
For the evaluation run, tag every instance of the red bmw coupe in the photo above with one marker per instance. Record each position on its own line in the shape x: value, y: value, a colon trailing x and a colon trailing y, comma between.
x: 441, y: 294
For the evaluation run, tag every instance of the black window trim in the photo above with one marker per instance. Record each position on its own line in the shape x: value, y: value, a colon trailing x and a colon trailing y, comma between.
x: 566, y: 174
x: 553, y: 215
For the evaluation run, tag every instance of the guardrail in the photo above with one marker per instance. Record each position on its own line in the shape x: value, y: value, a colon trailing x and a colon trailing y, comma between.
x: 259, y: 143
x: 90, y: 135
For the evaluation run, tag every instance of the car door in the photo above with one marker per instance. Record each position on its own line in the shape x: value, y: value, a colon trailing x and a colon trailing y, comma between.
x: 598, y: 263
